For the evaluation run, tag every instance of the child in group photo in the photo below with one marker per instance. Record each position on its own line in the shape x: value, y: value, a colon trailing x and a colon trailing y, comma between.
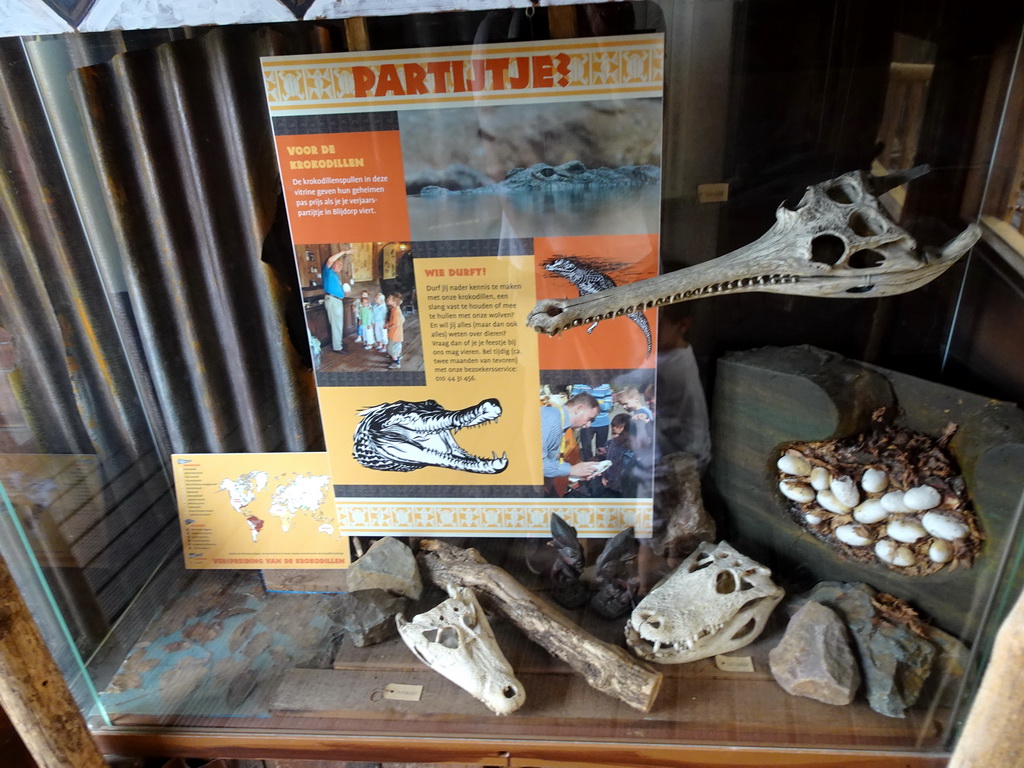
x: 380, y: 318
x: 619, y: 453
x: 394, y: 325
x: 360, y: 328
x: 365, y: 312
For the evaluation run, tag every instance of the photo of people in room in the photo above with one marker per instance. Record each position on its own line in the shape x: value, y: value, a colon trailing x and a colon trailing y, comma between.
x: 360, y: 305
x: 597, y: 440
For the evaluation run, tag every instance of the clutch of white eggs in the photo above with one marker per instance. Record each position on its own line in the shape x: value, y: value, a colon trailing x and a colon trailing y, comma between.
x: 886, y: 518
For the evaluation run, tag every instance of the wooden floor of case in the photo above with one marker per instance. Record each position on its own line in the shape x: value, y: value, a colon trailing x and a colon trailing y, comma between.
x: 359, y: 360
x: 226, y: 653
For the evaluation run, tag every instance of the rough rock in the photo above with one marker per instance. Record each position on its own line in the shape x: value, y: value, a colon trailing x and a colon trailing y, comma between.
x: 390, y: 565
x: 814, y: 657
x: 367, y: 616
x: 895, y: 659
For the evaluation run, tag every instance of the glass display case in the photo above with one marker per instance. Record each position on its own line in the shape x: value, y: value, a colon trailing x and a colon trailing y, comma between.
x: 776, y: 255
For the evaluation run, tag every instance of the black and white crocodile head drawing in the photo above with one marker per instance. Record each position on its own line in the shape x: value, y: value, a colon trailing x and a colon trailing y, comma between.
x: 572, y: 176
x: 403, y: 436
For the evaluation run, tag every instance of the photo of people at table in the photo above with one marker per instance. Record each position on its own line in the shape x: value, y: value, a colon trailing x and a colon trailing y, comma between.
x: 598, y: 440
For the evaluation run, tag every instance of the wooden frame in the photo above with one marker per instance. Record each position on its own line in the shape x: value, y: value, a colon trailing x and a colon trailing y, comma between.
x: 523, y: 753
x: 47, y: 718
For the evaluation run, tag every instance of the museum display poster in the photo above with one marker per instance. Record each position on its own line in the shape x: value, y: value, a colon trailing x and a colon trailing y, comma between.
x: 434, y: 195
x: 258, y: 510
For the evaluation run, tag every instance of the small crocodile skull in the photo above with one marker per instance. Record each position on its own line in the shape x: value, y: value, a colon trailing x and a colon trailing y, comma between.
x: 837, y: 242
x: 456, y: 641
x: 716, y: 601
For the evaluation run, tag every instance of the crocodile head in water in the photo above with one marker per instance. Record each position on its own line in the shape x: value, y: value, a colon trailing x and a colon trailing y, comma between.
x: 837, y: 242
x: 403, y: 436
x: 570, y: 177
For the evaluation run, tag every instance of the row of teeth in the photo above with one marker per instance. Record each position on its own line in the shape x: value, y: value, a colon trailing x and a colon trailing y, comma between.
x: 441, y: 423
x: 482, y: 423
x: 678, y: 646
x: 495, y: 458
x: 707, y: 290
x: 468, y: 457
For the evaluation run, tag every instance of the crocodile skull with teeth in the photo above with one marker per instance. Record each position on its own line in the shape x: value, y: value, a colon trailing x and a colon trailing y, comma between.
x: 716, y: 601
x: 836, y: 242
x: 456, y: 640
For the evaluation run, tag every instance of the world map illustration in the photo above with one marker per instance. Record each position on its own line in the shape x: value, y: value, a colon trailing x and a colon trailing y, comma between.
x: 292, y: 495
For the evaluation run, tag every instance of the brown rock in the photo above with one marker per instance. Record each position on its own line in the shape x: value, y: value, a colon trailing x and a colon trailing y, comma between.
x: 814, y: 658
x: 390, y: 565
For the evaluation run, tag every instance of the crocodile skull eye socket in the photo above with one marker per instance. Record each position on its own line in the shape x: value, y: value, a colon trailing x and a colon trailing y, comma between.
x: 725, y: 583
x: 700, y: 563
x: 866, y: 259
x: 455, y: 639
x: 446, y: 636
x: 716, y: 601
x: 841, y: 192
x: 827, y: 249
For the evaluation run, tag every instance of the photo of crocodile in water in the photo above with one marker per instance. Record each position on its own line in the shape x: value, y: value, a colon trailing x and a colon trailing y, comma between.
x: 533, y: 170
x: 404, y: 436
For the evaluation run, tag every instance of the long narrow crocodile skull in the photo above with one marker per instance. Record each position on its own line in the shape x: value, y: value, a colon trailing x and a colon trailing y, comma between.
x: 403, y: 436
x: 837, y: 242
x: 455, y: 640
x: 716, y: 601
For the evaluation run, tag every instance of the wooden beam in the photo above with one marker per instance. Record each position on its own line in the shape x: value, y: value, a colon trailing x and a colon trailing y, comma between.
x: 357, y: 37
x: 33, y: 692
x: 562, y: 21
x: 994, y: 732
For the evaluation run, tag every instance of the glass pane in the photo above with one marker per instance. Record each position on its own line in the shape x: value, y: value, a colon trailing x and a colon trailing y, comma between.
x: 201, y: 418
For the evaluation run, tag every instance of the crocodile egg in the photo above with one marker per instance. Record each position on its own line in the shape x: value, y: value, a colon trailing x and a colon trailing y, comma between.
x: 940, y: 551
x: 944, y: 526
x: 845, y: 491
x: 820, y: 478
x: 813, y: 518
x: 870, y: 511
x: 921, y: 498
x: 907, y: 531
x: 893, y: 502
x: 854, y: 535
x: 874, y: 480
x: 797, y: 491
x: 828, y: 500
x: 794, y: 465
x: 890, y: 552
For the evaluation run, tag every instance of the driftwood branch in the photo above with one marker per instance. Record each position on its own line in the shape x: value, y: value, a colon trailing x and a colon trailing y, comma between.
x: 608, y: 668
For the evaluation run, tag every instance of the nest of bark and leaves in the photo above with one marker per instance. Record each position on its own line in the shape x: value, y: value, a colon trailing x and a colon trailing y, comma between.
x: 910, y: 459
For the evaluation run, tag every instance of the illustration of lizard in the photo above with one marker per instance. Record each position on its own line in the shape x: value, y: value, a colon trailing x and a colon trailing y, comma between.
x: 589, y: 280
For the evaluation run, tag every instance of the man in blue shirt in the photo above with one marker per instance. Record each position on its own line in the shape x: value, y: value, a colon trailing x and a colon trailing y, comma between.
x: 334, y: 291
x: 577, y: 412
x: 594, y: 437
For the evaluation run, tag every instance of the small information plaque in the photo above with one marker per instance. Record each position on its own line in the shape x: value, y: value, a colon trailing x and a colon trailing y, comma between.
x: 400, y: 692
x: 734, y: 663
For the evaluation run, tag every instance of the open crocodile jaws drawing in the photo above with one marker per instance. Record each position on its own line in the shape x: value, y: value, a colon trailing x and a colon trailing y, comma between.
x: 403, y: 436
x: 837, y: 243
